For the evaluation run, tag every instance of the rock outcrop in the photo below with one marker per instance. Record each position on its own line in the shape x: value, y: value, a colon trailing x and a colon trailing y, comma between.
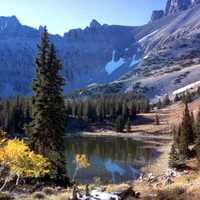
x: 95, y: 24
x: 195, y: 2
x: 174, y: 6
x: 156, y: 15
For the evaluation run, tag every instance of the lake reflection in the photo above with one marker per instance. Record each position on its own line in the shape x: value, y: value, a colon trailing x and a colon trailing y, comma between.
x: 113, y: 160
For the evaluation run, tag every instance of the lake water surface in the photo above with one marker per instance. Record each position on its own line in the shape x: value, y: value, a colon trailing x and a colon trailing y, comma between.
x: 112, y: 159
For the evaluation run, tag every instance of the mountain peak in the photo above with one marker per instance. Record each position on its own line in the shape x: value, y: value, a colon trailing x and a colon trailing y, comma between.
x: 174, y: 6
x: 95, y: 24
x: 6, y: 22
x: 12, y: 19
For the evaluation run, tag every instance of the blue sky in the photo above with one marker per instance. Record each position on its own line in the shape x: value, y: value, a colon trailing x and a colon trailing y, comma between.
x: 62, y: 15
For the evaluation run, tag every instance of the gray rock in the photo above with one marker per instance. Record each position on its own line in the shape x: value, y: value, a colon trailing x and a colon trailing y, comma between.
x: 195, y: 2
x: 156, y: 15
x: 174, y: 6
x: 95, y: 24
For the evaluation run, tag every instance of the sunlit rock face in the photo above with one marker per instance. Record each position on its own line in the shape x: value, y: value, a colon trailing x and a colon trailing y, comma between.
x: 174, y: 6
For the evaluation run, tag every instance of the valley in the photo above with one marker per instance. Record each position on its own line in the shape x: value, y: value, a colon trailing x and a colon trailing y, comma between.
x: 102, y: 112
x: 154, y: 137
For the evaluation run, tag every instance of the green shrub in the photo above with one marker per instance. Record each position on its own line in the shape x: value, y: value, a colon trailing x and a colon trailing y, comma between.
x: 49, y: 191
x: 39, y: 195
x: 5, y: 196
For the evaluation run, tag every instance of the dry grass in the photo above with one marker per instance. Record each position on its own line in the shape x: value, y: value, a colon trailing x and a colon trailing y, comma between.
x: 169, y: 117
x: 113, y: 187
x: 61, y: 196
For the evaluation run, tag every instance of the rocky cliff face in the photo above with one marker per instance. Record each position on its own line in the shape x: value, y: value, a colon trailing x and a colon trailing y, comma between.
x: 170, y: 58
x: 156, y: 15
x: 98, y: 53
x: 174, y: 6
x: 194, y: 2
x: 109, y: 58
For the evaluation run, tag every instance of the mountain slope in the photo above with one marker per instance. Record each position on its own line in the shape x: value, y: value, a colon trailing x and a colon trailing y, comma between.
x: 84, y: 53
x: 155, y: 58
x: 171, y: 55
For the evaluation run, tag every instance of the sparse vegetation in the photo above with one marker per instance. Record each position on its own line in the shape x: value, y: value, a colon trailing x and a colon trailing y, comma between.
x: 178, y: 193
x: 39, y: 196
x: 49, y: 191
x: 5, y: 196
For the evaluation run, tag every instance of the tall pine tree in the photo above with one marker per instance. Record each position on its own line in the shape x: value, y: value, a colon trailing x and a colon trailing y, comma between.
x: 187, y: 125
x: 197, y: 135
x: 47, y: 128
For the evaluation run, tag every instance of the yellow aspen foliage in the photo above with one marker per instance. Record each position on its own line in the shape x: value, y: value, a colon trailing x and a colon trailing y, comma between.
x: 20, y: 160
x: 82, y: 161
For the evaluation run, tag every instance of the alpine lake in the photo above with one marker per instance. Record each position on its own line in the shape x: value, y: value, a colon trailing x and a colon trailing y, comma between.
x: 112, y: 159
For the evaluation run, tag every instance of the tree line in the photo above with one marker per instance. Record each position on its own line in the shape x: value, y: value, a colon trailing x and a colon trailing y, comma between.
x: 17, y: 113
x: 186, y: 141
x: 107, y: 107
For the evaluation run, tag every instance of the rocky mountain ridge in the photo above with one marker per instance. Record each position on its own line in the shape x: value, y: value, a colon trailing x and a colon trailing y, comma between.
x: 173, y: 7
x: 108, y: 58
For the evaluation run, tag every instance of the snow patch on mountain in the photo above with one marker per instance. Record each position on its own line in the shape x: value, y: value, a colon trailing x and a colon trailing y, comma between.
x: 134, y: 61
x: 186, y: 88
x: 114, y: 65
x: 148, y: 36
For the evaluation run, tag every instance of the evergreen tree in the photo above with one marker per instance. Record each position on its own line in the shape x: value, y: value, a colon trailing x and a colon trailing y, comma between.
x: 193, y: 127
x: 187, y: 98
x: 197, y: 126
x: 197, y: 135
x: 184, y: 137
x: 159, y: 104
x: 176, y: 98
x: 128, y: 126
x: 47, y: 127
x: 183, y: 145
x: 173, y: 157
x: 166, y: 100
x: 119, y: 124
x: 187, y: 126
x: 157, y: 119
